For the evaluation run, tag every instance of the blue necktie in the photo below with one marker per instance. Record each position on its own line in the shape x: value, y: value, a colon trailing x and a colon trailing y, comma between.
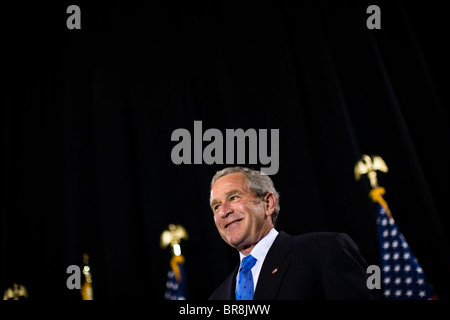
x: 244, y: 288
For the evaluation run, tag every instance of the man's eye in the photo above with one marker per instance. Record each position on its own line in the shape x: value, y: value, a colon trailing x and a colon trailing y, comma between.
x: 233, y: 198
x: 216, y: 207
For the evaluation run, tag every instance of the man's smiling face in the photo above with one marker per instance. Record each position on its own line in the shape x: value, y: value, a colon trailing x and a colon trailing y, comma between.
x: 241, y: 218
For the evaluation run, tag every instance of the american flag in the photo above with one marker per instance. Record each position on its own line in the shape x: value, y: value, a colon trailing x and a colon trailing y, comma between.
x: 402, y: 276
x: 176, y: 288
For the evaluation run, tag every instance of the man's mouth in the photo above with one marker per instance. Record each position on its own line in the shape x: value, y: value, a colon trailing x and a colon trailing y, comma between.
x: 232, y: 223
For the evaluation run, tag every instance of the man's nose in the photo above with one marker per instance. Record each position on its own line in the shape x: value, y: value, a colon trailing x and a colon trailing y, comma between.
x: 225, y: 209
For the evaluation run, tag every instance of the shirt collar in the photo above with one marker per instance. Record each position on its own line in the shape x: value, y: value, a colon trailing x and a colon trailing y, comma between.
x: 260, y: 250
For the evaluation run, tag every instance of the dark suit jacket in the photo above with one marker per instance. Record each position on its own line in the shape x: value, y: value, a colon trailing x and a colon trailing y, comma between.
x: 319, y: 265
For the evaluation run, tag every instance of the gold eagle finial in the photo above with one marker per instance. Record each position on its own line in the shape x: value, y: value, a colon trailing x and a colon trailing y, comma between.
x: 173, y: 235
x: 370, y: 165
x: 16, y: 292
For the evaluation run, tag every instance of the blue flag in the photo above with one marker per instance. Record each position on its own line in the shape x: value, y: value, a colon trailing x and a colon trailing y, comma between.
x: 402, y: 276
x: 176, y: 288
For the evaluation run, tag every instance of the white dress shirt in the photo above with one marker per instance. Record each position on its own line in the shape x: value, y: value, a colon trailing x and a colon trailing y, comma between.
x: 259, y: 252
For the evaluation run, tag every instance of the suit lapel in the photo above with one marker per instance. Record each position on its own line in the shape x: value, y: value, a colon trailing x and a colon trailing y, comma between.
x: 230, y: 290
x: 274, y: 268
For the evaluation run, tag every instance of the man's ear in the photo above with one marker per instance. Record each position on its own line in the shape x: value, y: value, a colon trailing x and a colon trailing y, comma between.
x: 269, y: 203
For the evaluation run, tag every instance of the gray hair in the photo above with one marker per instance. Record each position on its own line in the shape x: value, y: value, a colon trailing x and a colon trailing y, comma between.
x: 259, y: 183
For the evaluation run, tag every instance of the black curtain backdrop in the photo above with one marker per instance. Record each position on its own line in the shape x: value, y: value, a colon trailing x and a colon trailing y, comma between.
x: 87, y: 118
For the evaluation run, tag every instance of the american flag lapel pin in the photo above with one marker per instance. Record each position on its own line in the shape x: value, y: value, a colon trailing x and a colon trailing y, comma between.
x: 274, y: 270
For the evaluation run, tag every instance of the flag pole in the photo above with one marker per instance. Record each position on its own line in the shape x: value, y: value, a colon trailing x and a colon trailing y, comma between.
x: 176, y: 282
x: 87, y: 292
x: 370, y: 165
